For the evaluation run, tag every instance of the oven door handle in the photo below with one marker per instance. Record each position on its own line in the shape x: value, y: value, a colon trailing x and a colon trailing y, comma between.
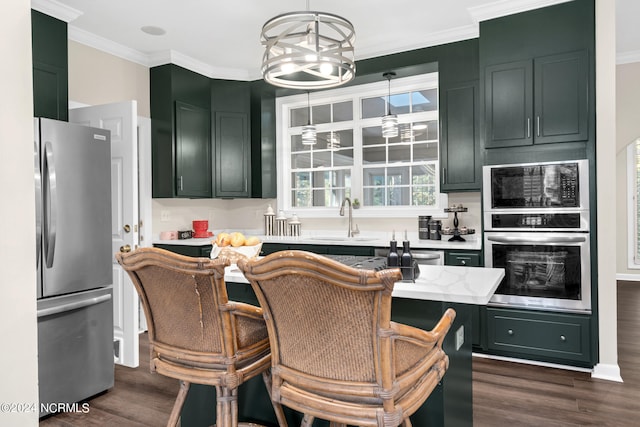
x: 537, y: 239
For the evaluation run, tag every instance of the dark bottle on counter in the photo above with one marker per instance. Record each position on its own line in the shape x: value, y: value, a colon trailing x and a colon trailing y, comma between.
x: 392, y: 257
x: 406, y: 260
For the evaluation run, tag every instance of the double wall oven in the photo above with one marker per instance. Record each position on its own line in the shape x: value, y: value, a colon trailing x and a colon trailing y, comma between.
x: 536, y: 221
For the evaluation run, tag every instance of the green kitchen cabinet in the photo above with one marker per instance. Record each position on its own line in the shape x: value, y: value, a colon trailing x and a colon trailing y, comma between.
x: 193, y: 151
x: 544, y: 336
x: 231, y: 107
x: 461, y: 163
x: 269, y: 248
x: 463, y: 258
x: 187, y: 250
x: 538, y: 101
x: 477, y: 312
x: 50, y: 69
x: 180, y: 133
x: 537, y: 74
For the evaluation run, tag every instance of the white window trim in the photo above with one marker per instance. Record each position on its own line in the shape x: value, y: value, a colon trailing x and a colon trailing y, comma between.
x: 632, y: 212
x: 283, y: 149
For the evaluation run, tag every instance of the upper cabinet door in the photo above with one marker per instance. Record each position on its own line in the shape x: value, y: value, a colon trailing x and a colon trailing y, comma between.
x: 509, y: 104
x: 232, y: 148
x: 193, y: 151
x: 561, y: 98
x: 459, y: 139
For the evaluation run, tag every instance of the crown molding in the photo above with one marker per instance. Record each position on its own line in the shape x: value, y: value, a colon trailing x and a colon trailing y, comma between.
x: 442, y: 37
x: 85, y: 37
x: 185, y: 61
x: 508, y: 7
x: 628, y: 57
x: 56, y: 9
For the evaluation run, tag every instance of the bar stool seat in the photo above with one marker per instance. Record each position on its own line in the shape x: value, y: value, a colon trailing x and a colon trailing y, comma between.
x: 335, y: 353
x: 196, y: 335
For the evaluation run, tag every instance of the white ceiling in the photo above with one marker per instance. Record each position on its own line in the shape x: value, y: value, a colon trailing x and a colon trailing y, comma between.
x: 222, y: 38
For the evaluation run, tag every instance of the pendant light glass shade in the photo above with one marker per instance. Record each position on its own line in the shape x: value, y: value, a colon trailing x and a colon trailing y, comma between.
x: 308, y: 135
x: 308, y: 50
x: 309, y: 130
x: 389, y: 121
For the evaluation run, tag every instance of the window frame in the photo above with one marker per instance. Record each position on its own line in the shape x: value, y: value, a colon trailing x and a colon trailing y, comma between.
x: 355, y: 93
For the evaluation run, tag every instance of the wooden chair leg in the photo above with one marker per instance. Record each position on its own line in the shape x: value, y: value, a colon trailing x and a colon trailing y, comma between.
x: 277, y: 407
x: 226, y: 407
x: 177, y: 406
x: 307, y: 420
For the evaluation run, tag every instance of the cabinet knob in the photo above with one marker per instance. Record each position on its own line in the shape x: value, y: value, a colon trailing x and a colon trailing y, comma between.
x: 125, y: 248
x: 563, y: 338
x: 127, y: 228
x: 463, y: 262
x: 510, y: 331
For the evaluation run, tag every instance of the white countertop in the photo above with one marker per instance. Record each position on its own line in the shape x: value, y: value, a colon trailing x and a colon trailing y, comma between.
x: 378, y: 240
x: 468, y: 285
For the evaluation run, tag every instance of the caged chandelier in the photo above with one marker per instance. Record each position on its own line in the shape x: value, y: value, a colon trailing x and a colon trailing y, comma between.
x: 308, y: 50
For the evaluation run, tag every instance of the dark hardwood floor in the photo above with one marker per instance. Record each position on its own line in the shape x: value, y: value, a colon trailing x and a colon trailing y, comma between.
x: 504, y: 393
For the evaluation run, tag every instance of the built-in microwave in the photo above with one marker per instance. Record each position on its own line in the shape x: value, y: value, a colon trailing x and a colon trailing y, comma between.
x: 549, y: 196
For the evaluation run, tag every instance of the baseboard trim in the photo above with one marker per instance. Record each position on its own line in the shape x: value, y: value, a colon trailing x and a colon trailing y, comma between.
x: 607, y: 372
x: 628, y: 277
x: 533, y: 362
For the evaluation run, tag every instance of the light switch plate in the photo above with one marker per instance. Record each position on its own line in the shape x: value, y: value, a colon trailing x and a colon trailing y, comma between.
x: 459, y: 337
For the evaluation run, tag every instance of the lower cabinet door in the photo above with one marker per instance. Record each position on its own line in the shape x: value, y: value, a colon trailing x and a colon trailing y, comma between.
x: 552, y: 337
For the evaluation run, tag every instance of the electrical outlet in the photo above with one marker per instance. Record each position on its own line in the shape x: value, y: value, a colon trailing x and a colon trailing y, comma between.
x: 165, y: 215
x: 459, y: 337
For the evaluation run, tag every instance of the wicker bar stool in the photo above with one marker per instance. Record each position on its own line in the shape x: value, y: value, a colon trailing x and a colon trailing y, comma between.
x: 196, y: 335
x: 336, y: 354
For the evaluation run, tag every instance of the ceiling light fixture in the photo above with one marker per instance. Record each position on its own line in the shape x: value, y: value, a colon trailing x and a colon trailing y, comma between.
x: 309, y: 130
x: 153, y: 30
x: 389, y: 121
x: 308, y: 50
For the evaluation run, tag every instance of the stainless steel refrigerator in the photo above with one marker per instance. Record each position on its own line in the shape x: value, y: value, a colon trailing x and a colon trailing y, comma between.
x: 73, y: 231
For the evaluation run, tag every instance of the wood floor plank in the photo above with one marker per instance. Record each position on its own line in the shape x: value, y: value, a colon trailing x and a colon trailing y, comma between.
x: 504, y: 393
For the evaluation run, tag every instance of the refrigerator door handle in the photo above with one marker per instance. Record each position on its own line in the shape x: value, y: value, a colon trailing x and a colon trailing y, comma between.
x: 73, y: 305
x: 38, y: 179
x: 51, y: 205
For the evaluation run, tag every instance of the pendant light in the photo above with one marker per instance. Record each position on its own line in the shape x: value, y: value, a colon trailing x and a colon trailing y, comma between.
x: 308, y: 50
x: 309, y: 130
x: 389, y: 121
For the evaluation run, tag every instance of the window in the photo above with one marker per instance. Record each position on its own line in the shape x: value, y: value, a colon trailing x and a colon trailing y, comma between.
x: 633, y: 190
x: 390, y: 176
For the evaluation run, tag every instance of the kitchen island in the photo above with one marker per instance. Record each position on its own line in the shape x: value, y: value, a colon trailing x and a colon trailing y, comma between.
x: 419, y: 304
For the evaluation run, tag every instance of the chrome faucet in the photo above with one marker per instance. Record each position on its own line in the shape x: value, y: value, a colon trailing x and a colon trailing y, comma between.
x: 352, y: 231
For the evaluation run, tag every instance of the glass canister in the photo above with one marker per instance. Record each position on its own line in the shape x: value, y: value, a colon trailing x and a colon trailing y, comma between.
x: 435, y: 227
x: 423, y: 227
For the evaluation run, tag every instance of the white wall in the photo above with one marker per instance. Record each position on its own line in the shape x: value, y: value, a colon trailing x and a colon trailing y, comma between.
x: 18, y: 329
x: 96, y: 77
x: 627, y: 130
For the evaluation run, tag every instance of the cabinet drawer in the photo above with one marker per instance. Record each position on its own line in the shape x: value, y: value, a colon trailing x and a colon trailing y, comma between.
x: 187, y: 250
x: 466, y: 259
x: 552, y: 335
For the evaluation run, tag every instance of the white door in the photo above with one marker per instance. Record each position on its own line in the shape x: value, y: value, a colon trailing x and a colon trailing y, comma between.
x: 121, y: 120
